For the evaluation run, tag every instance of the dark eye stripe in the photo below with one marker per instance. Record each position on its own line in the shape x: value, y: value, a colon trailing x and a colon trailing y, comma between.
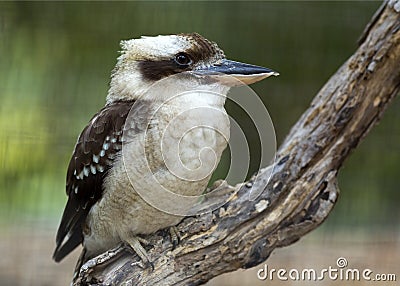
x: 156, y: 70
x: 202, y: 50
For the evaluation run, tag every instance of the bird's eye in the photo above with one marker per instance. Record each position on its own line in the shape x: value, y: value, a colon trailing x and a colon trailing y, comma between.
x: 183, y: 59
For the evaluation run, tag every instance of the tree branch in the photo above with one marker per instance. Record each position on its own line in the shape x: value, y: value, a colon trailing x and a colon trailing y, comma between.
x: 303, y: 188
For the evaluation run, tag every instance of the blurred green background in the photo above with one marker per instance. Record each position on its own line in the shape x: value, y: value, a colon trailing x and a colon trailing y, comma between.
x: 55, y: 64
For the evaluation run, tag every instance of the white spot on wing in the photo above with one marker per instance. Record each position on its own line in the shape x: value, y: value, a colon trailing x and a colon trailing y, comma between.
x: 76, y: 190
x: 93, y: 169
x: 102, y: 153
x: 96, y: 158
x: 86, y: 171
x: 100, y: 168
x: 106, y: 146
x: 80, y: 176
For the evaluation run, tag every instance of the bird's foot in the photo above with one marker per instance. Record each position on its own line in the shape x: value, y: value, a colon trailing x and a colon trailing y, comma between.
x: 174, y: 235
x: 135, y: 244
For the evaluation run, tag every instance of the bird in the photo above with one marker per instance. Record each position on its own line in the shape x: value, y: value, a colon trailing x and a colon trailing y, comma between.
x: 160, y: 87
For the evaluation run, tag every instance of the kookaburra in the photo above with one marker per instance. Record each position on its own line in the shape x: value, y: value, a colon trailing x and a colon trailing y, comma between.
x: 163, y: 91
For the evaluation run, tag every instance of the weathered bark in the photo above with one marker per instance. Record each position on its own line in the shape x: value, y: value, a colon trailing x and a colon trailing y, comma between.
x: 303, y: 188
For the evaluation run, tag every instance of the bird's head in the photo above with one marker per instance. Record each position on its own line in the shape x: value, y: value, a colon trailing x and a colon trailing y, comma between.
x: 147, y: 60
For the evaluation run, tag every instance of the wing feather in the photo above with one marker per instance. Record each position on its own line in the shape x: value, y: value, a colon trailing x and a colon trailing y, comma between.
x: 98, y: 142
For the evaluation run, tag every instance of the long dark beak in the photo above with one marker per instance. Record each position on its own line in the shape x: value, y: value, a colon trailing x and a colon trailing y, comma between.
x: 229, y: 72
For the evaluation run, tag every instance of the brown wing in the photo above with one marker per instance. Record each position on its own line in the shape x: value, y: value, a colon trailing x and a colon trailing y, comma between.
x: 97, y: 146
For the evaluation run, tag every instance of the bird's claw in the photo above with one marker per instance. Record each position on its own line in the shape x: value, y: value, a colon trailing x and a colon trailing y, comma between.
x: 174, y: 235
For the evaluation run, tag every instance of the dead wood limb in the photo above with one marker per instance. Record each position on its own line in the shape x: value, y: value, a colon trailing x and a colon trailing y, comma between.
x: 303, y: 188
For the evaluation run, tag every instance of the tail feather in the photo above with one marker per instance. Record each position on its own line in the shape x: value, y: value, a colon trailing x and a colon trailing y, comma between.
x: 63, y: 249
